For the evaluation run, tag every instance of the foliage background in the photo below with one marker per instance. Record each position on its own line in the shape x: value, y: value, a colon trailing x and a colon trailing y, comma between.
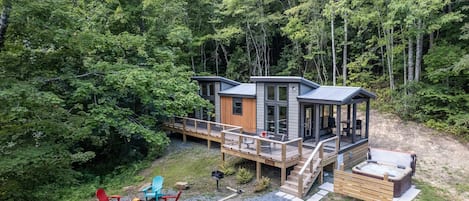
x: 86, y: 84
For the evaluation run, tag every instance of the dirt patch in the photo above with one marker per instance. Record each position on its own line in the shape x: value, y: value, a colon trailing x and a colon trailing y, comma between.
x: 442, y: 161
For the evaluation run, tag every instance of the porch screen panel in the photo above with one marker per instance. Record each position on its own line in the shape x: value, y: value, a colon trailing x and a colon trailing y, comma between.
x: 271, y: 118
x: 282, y: 119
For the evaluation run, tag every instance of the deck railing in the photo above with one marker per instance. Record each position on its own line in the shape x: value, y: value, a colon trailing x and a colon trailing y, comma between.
x: 318, y: 153
x: 201, y: 126
x: 260, y: 146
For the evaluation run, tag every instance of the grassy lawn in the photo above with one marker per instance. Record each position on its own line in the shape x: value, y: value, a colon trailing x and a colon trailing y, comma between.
x: 192, y: 162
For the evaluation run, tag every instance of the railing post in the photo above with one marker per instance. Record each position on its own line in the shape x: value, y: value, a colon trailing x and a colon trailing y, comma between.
x: 337, y: 145
x: 239, y: 142
x: 184, y: 124
x: 284, y: 152
x: 209, y: 128
x: 321, y: 151
x: 222, y: 138
x: 300, y: 148
x: 195, y: 125
x: 300, y: 185
x: 258, y: 146
x: 311, y: 167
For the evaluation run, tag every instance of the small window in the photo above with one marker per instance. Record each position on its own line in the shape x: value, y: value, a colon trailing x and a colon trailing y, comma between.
x: 237, y: 106
x: 203, y: 89
x: 282, y: 93
x: 211, y: 88
x: 270, y: 92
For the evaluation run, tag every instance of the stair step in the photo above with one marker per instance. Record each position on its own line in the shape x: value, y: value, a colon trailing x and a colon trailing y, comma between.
x: 296, y: 172
x: 299, y: 168
x: 306, y: 176
x: 289, y: 190
x: 294, y: 184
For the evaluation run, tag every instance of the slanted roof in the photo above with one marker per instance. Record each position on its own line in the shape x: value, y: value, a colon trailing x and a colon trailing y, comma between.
x: 215, y: 79
x: 242, y: 90
x: 335, y: 95
x: 283, y: 79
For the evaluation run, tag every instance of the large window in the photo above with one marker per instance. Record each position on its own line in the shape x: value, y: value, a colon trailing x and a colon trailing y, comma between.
x: 276, y: 101
x: 207, y: 89
x: 237, y: 106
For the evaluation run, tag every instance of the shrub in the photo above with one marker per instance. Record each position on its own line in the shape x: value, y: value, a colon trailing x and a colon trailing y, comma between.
x: 243, y: 176
x: 227, y: 169
x: 262, y: 184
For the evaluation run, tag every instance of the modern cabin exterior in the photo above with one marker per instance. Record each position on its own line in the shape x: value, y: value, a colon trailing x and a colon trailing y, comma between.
x: 283, y: 121
x: 290, y: 107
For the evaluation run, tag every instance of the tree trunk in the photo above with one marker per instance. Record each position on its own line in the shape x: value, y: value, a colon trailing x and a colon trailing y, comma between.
x: 389, y: 53
x: 381, y: 51
x: 419, y: 50
x: 344, y: 58
x: 431, y: 40
x: 216, y: 57
x: 334, y: 67
x: 4, y: 22
x: 410, y: 60
x: 225, y: 54
x: 251, y: 70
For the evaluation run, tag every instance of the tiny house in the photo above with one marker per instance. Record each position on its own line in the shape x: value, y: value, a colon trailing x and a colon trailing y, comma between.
x: 283, y: 121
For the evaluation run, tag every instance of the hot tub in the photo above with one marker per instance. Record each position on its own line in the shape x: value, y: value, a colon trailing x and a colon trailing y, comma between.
x: 399, y: 175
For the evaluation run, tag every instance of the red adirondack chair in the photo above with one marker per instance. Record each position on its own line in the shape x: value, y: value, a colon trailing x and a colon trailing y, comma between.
x: 101, y: 195
x: 176, y: 197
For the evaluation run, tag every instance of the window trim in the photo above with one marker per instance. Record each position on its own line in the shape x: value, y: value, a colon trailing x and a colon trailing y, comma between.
x: 235, y: 107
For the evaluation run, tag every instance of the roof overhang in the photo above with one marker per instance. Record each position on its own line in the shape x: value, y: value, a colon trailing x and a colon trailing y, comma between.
x: 284, y: 79
x: 215, y: 79
x: 336, y: 95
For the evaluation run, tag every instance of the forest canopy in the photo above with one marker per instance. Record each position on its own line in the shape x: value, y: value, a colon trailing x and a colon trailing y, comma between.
x: 85, y: 85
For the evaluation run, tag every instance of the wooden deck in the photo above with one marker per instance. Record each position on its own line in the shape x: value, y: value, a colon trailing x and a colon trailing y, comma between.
x: 233, y: 141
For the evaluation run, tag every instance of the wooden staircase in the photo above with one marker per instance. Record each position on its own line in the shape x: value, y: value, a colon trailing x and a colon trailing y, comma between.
x: 302, y: 177
x: 291, y: 184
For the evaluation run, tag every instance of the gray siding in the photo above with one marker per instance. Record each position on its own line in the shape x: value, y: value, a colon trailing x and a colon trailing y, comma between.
x: 305, y: 89
x: 260, y: 106
x: 293, y: 111
x: 217, y: 102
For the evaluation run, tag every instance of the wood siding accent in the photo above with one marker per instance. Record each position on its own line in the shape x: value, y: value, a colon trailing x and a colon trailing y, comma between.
x: 362, y: 187
x: 355, y: 155
x: 247, y: 120
x: 293, y: 111
x: 260, y: 106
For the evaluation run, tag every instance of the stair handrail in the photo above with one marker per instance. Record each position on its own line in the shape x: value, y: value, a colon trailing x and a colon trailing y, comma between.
x: 309, y: 160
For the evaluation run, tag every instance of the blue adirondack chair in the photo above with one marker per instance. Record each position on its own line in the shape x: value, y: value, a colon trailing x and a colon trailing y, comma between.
x: 154, y: 191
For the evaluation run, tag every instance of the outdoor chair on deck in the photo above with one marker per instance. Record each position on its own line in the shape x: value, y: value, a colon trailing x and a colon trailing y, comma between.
x: 176, y: 197
x: 358, y: 128
x: 154, y: 191
x: 101, y: 195
x: 248, y: 141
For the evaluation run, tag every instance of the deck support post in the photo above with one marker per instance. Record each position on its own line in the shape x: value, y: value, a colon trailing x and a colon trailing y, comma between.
x: 258, y: 170
x: 223, y: 157
x: 283, y: 174
x: 184, y: 137
x: 321, y: 176
x: 209, y: 143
